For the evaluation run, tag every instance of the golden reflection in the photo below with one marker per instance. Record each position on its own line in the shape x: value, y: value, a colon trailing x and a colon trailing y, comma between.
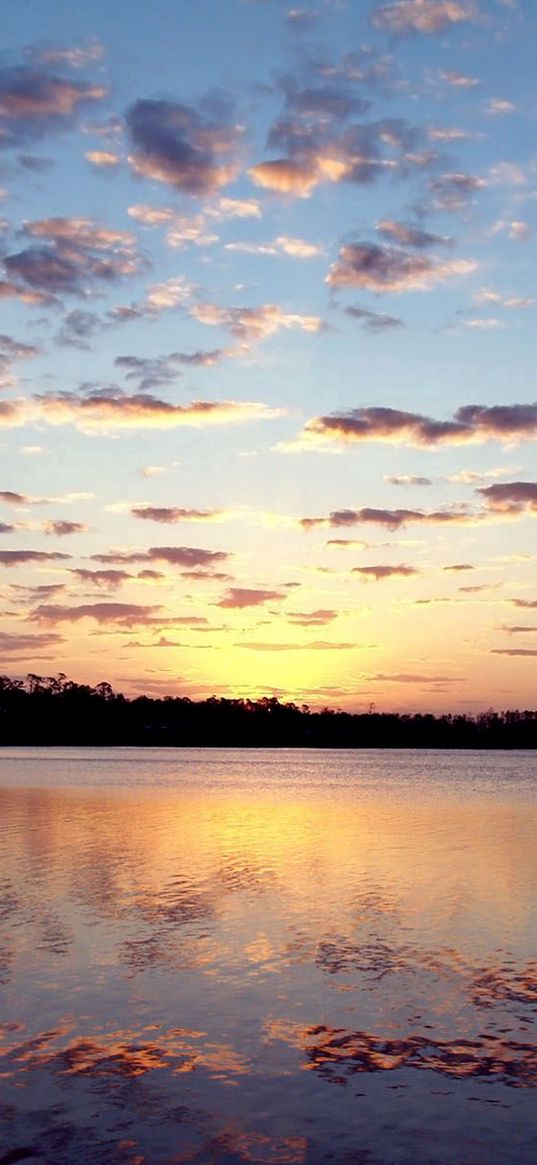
x: 337, y: 1054
x: 123, y: 1053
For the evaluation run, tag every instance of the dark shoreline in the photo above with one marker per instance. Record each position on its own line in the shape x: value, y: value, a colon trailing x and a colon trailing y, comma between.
x: 56, y: 712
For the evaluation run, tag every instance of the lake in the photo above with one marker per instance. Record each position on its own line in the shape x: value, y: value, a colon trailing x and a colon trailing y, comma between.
x: 281, y: 957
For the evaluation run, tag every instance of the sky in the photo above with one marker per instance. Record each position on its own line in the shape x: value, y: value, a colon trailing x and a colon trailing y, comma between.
x: 267, y: 399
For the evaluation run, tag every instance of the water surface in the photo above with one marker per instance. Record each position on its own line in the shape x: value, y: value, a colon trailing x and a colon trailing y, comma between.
x: 275, y: 957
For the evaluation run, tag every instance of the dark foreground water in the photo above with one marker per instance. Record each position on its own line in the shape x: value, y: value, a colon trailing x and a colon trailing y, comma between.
x: 269, y: 957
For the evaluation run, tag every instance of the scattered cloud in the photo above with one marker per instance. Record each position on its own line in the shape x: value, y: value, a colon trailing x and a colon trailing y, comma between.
x: 14, y: 644
x: 470, y: 424
x: 517, y: 651
x: 239, y: 597
x: 383, y: 572
x: 407, y: 479
x: 36, y: 101
x: 373, y: 321
x: 75, y: 56
x: 188, y: 557
x: 10, y: 351
x: 414, y: 678
x: 391, y: 519
x: 458, y: 80
x: 152, y: 372
x: 249, y: 324
x: 169, y: 515
x: 102, y: 159
x: 189, y: 149
x: 61, y: 528
x: 391, y: 269
x: 70, y: 255
x: 317, y: 618
x: 498, y: 105
x: 24, y: 557
x: 110, y: 408
x: 108, y: 579
x: 310, y: 645
x: 510, y: 497
x: 282, y: 245
x: 425, y: 16
x: 409, y: 235
x: 318, y: 141
x: 122, y: 614
x: 453, y: 192
x: 516, y: 229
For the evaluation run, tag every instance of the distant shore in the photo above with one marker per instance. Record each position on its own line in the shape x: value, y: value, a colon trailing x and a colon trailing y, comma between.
x: 57, y: 711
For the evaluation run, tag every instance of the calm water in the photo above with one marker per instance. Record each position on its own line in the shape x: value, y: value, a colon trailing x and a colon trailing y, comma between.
x: 270, y: 957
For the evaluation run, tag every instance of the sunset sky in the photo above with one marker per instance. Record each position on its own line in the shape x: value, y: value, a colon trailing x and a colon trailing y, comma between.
x: 267, y: 391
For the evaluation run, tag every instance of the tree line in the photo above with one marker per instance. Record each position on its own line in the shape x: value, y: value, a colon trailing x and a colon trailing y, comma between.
x: 48, y: 710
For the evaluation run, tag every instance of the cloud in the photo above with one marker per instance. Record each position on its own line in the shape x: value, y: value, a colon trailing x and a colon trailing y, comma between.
x: 346, y: 543
x: 317, y: 618
x: 285, y: 176
x: 391, y: 519
x: 6, y: 528
x: 452, y: 192
x: 23, y: 557
x: 10, y: 498
x: 69, y: 255
x: 408, y: 479
x: 373, y: 321
x: 498, y: 105
x: 515, y: 229
x: 311, y: 645
x: 158, y: 370
x: 513, y: 651
x: 110, y: 408
x: 37, y: 593
x: 253, y: 323
x: 458, y: 566
x: 195, y: 229
x: 61, y: 528
x: 512, y: 302
x: 471, y: 424
x: 239, y: 597
x: 519, y: 630
x: 511, y: 497
x: 122, y: 614
x: 75, y: 57
x: 102, y: 159
x: 182, y: 230
x: 415, y: 678
x: 78, y: 328
x: 425, y: 16
x: 407, y: 235
x: 169, y: 515
x: 185, y: 556
x: 282, y: 245
x: 318, y: 141
x: 378, y: 268
x: 14, y: 644
x: 300, y: 19
x: 458, y: 80
x: 382, y: 572
x: 10, y: 351
x: 488, y: 324
x: 527, y: 604
x: 182, y: 146
x: 109, y: 579
x: 36, y: 101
